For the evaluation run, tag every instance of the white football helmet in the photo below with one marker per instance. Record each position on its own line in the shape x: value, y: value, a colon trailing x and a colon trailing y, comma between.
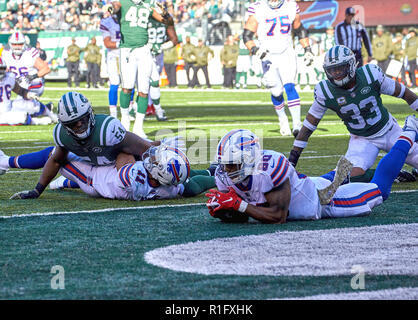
x: 3, y: 68
x: 17, y: 43
x: 241, y: 148
x: 274, y: 4
x: 168, y: 165
x: 75, y: 113
x: 340, y: 65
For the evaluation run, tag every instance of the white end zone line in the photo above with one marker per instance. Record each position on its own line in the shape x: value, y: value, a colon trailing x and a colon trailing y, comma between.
x: 39, y: 214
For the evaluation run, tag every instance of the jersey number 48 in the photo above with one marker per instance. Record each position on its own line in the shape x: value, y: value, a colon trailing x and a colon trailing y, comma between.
x: 137, y: 17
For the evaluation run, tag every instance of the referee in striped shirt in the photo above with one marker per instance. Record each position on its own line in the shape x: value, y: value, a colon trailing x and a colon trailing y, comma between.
x: 349, y: 33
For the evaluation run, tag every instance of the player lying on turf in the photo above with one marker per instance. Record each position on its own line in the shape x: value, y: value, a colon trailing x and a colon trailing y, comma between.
x: 11, y: 111
x: 355, y: 95
x: 262, y: 184
x: 96, y: 139
x: 164, y: 173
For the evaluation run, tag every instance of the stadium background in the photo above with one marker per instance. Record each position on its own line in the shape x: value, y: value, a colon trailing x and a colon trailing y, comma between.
x: 53, y: 24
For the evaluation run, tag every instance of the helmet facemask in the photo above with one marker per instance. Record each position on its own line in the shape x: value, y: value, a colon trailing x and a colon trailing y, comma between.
x: 274, y: 4
x: 341, y: 69
x: 81, y: 127
x: 239, y: 157
x: 163, y: 165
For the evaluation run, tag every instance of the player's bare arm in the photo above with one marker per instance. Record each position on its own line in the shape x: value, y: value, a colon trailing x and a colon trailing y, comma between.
x: 406, y: 94
x: 23, y: 92
x: 123, y: 159
x: 50, y: 170
x: 277, y: 211
x: 250, y: 30
x: 110, y: 44
x: 164, y: 17
x: 309, y: 126
x: 134, y: 145
x: 42, y: 67
x: 302, y: 34
x: 172, y: 38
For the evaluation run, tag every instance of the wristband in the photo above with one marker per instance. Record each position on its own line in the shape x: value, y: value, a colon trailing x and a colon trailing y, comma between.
x: 300, y: 144
x: 402, y: 91
x: 309, y: 125
x: 39, y: 188
x: 414, y: 105
x: 243, y: 206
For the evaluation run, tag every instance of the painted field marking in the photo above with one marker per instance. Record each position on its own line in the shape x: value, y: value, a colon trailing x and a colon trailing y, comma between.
x: 379, y: 250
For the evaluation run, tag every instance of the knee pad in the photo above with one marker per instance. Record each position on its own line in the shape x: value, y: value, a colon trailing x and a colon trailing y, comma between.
x: 291, y: 92
x: 277, y: 101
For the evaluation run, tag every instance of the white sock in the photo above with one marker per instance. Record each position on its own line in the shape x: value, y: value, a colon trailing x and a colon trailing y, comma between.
x: 294, y: 108
x: 138, y: 125
x: 126, y: 122
x: 113, y: 111
x: 281, y: 113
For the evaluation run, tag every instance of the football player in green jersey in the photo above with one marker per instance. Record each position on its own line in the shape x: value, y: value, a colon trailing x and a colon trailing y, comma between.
x: 161, y: 37
x: 355, y: 95
x: 96, y: 139
x: 136, y: 58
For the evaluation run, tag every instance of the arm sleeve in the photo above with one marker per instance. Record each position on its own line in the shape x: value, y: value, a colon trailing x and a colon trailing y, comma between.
x: 387, y: 85
x: 115, y: 132
x: 318, y: 108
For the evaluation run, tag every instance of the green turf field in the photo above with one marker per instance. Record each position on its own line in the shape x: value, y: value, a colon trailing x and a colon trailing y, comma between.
x: 103, y: 251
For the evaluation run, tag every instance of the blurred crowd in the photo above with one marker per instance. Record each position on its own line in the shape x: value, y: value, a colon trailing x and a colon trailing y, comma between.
x: 32, y: 16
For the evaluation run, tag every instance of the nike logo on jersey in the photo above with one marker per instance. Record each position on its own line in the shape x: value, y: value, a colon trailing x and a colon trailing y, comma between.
x: 272, y: 166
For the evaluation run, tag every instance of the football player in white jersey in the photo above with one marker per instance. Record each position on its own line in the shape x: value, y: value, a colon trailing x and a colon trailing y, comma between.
x: 262, y: 184
x: 10, y: 115
x: 110, y: 29
x: 29, y: 69
x: 273, y: 21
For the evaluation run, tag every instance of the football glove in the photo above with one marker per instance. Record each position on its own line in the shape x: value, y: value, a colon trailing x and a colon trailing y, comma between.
x: 263, y: 56
x: 308, y: 57
x: 220, y: 200
x: 32, y: 96
x: 28, y: 194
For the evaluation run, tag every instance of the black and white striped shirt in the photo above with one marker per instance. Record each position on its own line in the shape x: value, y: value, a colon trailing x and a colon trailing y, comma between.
x: 350, y: 35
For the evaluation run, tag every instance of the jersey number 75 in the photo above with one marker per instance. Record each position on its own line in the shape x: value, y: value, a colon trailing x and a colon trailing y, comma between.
x: 284, y: 25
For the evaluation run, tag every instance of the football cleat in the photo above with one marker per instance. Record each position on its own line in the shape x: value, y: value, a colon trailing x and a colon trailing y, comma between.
x: 343, y: 169
x: 161, y: 116
x: 405, y: 176
x: 150, y: 110
x: 411, y: 124
x: 58, y: 183
x: 285, y: 129
x: 4, y: 163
